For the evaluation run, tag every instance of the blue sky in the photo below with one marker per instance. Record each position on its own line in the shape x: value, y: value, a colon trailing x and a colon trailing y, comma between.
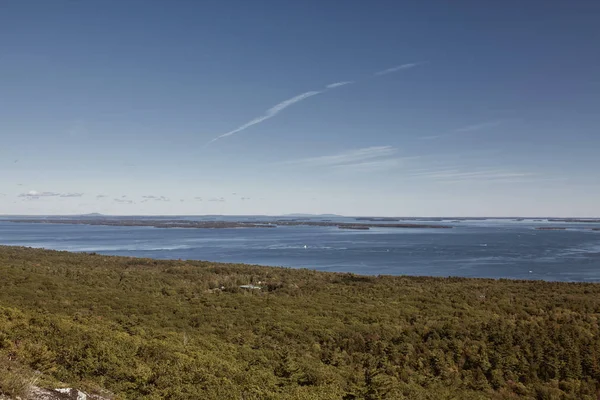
x: 223, y: 107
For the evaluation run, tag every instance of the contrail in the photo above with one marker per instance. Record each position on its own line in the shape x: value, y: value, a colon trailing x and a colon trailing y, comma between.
x: 271, y: 112
x: 276, y: 109
x: 396, y: 69
x: 338, y: 84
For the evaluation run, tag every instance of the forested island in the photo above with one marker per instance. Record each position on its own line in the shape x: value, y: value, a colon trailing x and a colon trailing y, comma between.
x: 578, y: 220
x: 181, y: 223
x: 148, y: 329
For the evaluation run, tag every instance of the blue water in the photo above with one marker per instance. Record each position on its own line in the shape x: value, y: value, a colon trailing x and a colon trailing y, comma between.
x: 488, y: 248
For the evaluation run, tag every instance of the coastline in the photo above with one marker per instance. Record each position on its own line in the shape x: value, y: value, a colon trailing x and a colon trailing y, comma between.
x: 224, y: 224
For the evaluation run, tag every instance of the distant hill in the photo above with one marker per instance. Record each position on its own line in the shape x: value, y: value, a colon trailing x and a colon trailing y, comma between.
x: 312, y: 215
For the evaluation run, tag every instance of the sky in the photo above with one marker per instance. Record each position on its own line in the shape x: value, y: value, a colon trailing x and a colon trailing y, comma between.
x: 429, y: 108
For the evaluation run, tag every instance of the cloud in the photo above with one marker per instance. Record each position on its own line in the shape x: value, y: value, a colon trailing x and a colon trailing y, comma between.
x: 338, y: 84
x: 101, y: 196
x: 217, y: 199
x: 71, y: 195
x: 244, y: 198
x: 467, y: 129
x: 270, y: 113
x: 372, y: 166
x: 455, y: 175
x: 181, y: 200
x: 347, y: 157
x: 197, y: 198
x: 396, y: 69
x: 34, y: 194
x: 123, y: 201
x: 155, y: 198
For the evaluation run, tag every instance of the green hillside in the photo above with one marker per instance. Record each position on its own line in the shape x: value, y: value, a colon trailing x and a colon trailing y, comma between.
x: 185, y: 330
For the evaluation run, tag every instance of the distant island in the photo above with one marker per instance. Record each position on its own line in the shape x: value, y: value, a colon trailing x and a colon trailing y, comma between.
x: 220, y: 224
x: 383, y: 219
x: 578, y: 220
x: 356, y: 227
x: 313, y: 215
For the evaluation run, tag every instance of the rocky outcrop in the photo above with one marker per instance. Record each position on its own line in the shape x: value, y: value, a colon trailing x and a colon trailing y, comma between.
x: 37, y: 393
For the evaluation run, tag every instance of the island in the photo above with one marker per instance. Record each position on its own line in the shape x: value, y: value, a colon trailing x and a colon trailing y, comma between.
x: 377, y: 219
x: 356, y: 227
x: 577, y: 220
x: 181, y: 223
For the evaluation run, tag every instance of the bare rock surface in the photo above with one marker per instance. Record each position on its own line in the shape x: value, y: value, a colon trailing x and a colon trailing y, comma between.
x: 37, y: 393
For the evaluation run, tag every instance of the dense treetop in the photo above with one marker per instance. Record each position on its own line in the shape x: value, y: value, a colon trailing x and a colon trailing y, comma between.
x: 151, y: 329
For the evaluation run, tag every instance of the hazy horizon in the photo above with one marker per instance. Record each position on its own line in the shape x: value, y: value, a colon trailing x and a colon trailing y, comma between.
x: 307, y: 215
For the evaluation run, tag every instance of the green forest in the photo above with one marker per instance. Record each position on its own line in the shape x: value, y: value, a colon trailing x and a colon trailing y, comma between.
x: 148, y: 329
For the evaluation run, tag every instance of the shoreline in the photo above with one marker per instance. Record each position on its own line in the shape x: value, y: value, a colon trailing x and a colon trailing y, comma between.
x: 225, y: 224
x: 242, y: 264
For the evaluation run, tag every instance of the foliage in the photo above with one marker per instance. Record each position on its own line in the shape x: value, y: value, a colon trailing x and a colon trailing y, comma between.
x: 185, y: 330
x: 15, y: 380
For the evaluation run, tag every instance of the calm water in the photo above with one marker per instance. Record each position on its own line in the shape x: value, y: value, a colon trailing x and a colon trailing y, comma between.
x: 490, y: 248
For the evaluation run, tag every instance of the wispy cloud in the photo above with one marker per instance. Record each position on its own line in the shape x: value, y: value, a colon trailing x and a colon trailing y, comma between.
x: 396, y: 69
x: 347, y: 157
x: 34, y: 194
x: 457, y: 174
x: 373, y: 166
x: 71, y: 195
x: 245, y: 198
x: 217, y: 199
x: 478, y: 127
x: 467, y: 129
x: 155, y: 198
x: 338, y: 84
x: 101, y: 196
x: 276, y: 109
x: 367, y: 159
x: 198, y: 198
x: 123, y: 201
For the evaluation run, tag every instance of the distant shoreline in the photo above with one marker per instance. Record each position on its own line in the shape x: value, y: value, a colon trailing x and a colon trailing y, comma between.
x: 223, y: 224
